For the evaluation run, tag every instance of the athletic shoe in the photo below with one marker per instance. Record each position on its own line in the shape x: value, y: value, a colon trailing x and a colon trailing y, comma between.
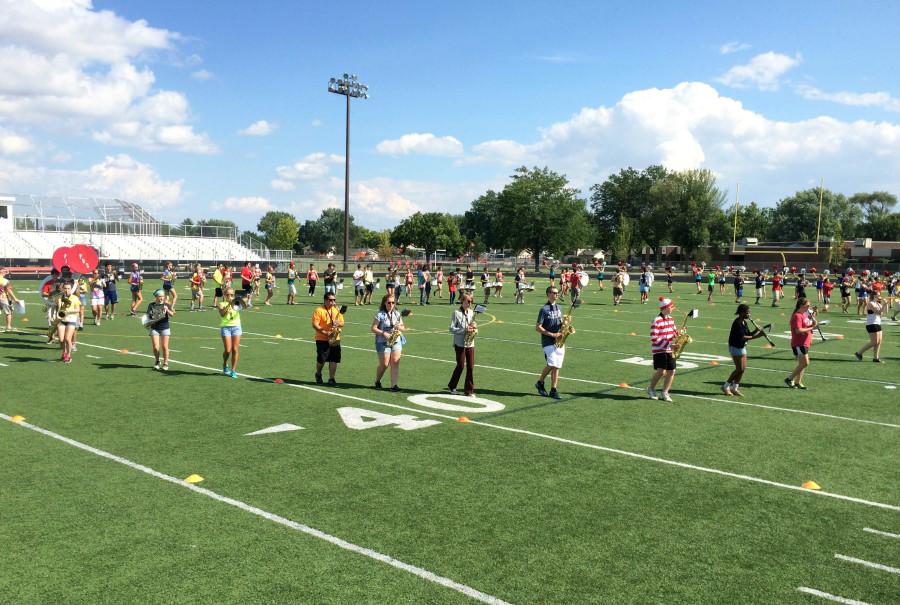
x: 395, y: 388
x: 332, y: 382
x: 452, y: 391
x: 652, y: 394
x: 156, y: 366
x: 165, y: 367
x: 225, y: 370
x: 789, y: 383
x: 233, y: 374
x: 858, y: 356
x: 378, y: 384
x: 554, y: 394
x: 736, y: 392
x: 727, y: 390
x: 67, y: 359
x: 665, y: 397
x: 539, y: 385
x: 878, y: 360
x: 473, y: 394
x: 74, y: 348
x: 319, y: 379
x: 800, y: 385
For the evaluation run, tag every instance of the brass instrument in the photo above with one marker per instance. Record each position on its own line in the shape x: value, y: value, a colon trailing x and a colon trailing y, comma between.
x: 683, y: 339
x: 395, y: 332
x: 469, y: 336
x: 62, y: 308
x: 565, y: 329
x: 336, y: 329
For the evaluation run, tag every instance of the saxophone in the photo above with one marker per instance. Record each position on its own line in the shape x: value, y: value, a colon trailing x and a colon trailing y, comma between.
x: 565, y: 329
x: 469, y: 337
x: 394, y: 336
x: 682, y: 340
x: 62, y: 307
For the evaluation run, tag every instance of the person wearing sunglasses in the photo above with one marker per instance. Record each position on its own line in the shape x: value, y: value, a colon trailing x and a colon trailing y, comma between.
x: 328, y: 323
x: 388, y: 327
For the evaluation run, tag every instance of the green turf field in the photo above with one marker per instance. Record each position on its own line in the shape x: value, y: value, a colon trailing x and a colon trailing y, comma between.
x: 603, y: 497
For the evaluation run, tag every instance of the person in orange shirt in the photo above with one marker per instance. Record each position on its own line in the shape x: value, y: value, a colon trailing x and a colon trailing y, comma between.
x: 328, y: 322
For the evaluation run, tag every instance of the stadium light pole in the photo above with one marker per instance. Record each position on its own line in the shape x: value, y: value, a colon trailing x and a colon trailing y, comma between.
x: 350, y: 87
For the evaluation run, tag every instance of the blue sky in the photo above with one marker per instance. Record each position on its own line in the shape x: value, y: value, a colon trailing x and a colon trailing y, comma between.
x: 220, y: 109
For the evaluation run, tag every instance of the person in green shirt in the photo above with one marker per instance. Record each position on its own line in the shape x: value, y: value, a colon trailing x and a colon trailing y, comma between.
x: 230, y: 330
x: 710, y: 284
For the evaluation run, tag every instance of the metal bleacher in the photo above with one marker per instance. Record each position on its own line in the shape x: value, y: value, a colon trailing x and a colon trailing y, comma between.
x: 120, y: 231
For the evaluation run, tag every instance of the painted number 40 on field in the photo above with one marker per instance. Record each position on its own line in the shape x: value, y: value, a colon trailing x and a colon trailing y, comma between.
x: 360, y: 419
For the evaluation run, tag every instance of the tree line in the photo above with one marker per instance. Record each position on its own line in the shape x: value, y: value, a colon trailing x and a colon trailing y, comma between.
x: 538, y: 210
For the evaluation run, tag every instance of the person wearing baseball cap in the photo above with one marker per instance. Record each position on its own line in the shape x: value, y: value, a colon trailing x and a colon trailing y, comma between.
x: 662, y: 335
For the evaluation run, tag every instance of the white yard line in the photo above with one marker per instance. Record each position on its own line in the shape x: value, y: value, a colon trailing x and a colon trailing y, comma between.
x: 830, y: 597
x: 208, y: 348
x: 878, y: 532
x: 870, y: 564
x: 311, y: 531
x: 333, y: 393
x: 4, y: 365
x: 609, y: 384
x: 270, y: 342
x: 92, y: 356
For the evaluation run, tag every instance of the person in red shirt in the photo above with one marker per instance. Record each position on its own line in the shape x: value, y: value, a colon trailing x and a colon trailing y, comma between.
x: 662, y: 334
x: 803, y: 322
x: 776, y: 289
x: 827, y: 287
x: 312, y: 276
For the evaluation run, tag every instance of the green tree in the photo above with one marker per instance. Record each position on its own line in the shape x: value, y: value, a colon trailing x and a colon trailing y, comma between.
x: 268, y: 226
x: 543, y: 214
x: 483, y: 224
x: 327, y: 232
x: 622, y: 241
x: 753, y: 221
x: 880, y: 224
x: 429, y: 231
x: 876, y: 203
x: 836, y: 255
x: 693, y: 200
x: 795, y: 218
x: 384, y: 248
x: 283, y: 236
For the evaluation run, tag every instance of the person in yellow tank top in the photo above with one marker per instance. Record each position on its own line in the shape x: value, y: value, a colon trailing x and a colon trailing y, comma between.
x: 69, y: 309
x: 230, y: 330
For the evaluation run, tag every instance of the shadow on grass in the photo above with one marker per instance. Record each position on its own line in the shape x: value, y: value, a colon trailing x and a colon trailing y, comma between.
x: 22, y: 345
x: 19, y: 358
x: 750, y: 385
x: 117, y: 366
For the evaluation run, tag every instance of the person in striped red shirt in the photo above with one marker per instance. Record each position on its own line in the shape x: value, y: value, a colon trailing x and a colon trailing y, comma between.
x: 662, y: 334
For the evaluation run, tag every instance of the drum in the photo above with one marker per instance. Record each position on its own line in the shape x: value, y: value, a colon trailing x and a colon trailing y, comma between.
x: 585, y: 280
x: 626, y: 279
x: 145, y: 320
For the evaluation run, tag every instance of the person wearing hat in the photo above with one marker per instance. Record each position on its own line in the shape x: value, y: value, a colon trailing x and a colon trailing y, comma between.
x: 160, y: 330
x: 662, y: 334
x: 737, y: 346
x: 549, y: 324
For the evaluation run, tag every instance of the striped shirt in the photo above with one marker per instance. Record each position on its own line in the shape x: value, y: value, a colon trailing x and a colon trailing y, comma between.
x: 662, y: 333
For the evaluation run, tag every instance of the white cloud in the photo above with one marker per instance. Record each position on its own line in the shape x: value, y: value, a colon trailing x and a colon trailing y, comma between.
x: 118, y: 176
x: 313, y: 166
x: 763, y: 71
x: 12, y: 143
x: 733, y: 47
x: 246, y: 204
x: 202, y: 74
x: 692, y: 126
x: 281, y: 185
x: 259, y: 128
x: 883, y: 100
x: 66, y: 66
x: 421, y: 144
x: 316, y: 123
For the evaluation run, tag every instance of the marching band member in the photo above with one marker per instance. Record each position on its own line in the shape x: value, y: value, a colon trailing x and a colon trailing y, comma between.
x: 820, y: 285
x: 81, y: 290
x: 312, y: 276
x: 738, y: 286
x: 862, y: 291
x: 759, y: 281
x: 7, y: 298
x: 198, y: 277
x: 453, y: 281
x: 326, y: 320
x: 710, y: 284
x: 384, y: 324
x: 425, y: 294
x: 575, y: 285
x: 68, y: 309
x: 97, y: 297
x: 462, y: 326
x: 470, y: 278
x: 669, y: 279
x: 776, y: 288
x: 698, y: 277
x: 369, y: 283
x: 110, y: 294
x: 292, y: 285
x: 520, y: 285
x: 257, y: 278
x: 720, y: 277
x: 358, y: 285
x: 827, y: 287
x: 801, y: 286
x: 874, y: 311
x: 247, y: 281
x: 643, y: 285
x: 662, y: 335
x: 160, y: 331
x: 618, y: 286
x: 486, y: 288
x: 168, y: 282
x: 738, y: 338
x: 549, y: 323
x: 439, y: 276
x: 803, y: 322
x: 230, y: 331
x: 601, y: 268
x: 498, y: 283
x: 270, y: 285
x: 330, y: 278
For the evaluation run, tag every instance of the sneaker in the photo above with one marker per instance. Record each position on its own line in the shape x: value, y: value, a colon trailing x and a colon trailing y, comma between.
x: 800, y: 385
x: 332, y: 382
x: 156, y: 366
x: 233, y: 374
x: 74, y: 348
x: 539, y: 385
x: 736, y: 392
x: 789, y: 383
x: 726, y: 389
x: 165, y: 367
x: 472, y: 394
x: 225, y: 370
x: 395, y: 388
x: 652, y: 394
x: 452, y: 391
x: 554, y: 394
x: 378, y: 384
x: 665, y: 397
x: 878, y: 360
x: 319, y: 379
x: 67, y: 359
x: 858, y: 356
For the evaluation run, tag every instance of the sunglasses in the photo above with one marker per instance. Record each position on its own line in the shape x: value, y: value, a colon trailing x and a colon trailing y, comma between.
x: 330, y: 299
x: 390, y: 302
